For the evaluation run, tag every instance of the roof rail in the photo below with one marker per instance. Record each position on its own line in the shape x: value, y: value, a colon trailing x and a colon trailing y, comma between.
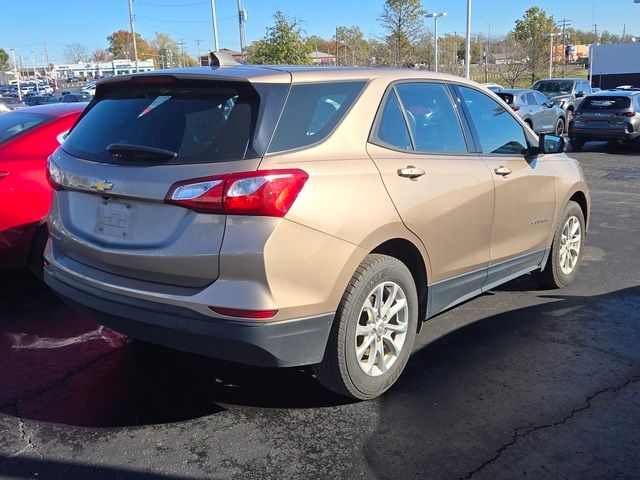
x: 222, y: 59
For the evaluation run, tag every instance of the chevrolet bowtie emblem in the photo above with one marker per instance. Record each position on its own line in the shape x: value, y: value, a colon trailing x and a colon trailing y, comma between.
x: 101, y: 185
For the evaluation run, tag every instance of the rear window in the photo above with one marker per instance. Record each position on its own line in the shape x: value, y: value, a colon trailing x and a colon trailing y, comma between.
x: 15, y: 123
x: 311, y: 113
x: 606, y: 103
x: 199, y: 121
x: 507, y: 97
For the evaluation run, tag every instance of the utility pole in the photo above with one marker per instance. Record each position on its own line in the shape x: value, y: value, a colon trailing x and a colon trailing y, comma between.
x: 133, y: 34
x: 182, y: 59
x: 337, y: 58
x: 595, y: 32
x: 15, y: 67
x: 242, y: 17
x: 35, y: 73
x: 467, y: 53
x: 564, y: 23
x: 215, y: 26
x: 199, y: 61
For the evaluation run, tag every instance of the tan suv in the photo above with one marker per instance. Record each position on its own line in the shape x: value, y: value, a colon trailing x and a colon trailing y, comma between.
x: 303, y: 216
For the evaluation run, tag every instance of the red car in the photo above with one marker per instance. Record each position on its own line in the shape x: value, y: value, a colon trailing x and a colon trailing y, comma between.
x: 27, y: 137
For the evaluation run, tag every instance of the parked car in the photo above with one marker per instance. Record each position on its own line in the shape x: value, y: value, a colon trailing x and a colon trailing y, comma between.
x: 10, y: 103
x: 536, y: 110
x: 27, y: 138
x: 76, y: 97
x: 33, y: 100
x: 611, y: 115
x: 494, y: 87
x: 303, y: 216
x: 567, y: 93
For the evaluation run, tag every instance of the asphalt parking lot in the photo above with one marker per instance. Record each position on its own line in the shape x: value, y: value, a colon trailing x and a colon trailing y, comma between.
x: 517, y: 383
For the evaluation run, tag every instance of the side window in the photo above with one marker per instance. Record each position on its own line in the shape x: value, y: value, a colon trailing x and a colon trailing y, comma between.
x: 542, y: 100
x: 311, y: 113
x: 433, y: 121
x: 586, y: 88
x: 392, y: 129
x: 531, y: 99
x: 497, y: 130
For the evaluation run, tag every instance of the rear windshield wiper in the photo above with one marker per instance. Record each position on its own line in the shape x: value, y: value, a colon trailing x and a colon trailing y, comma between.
x: 140, y: 151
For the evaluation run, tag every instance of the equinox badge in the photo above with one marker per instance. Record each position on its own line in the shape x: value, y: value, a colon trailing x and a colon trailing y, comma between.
x: 101, y: 185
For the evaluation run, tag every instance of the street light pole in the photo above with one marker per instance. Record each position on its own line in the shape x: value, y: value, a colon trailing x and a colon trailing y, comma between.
x: 215, y: 26
x: 467, y: 52
x: 35, y: 75
x: 133, y: 35
x: 15, y: 67
x: 551, y: 35
x: 435, y: 17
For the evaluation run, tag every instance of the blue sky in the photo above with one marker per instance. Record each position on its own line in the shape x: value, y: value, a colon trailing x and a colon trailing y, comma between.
x: 87, y: 22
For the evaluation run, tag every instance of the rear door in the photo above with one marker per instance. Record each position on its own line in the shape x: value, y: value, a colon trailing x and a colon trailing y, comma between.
x: 111, y: 214
x: 524, y: 189
x: 543, y: 117
x: 443, y: 193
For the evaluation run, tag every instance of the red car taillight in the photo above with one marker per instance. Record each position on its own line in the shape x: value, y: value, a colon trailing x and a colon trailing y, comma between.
x: 268, y: 193
x: 237, y: 312
x: 515, y: 108
x: 54, y: 175
x: 626, y: 114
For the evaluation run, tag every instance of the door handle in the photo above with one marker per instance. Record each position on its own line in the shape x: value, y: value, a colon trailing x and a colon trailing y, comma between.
x: 502, y: 170
x: 411, y: 172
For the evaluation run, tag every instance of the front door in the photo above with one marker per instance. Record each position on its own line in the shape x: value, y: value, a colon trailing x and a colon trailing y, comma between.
x: 443, y: 194
x: 524, y: 188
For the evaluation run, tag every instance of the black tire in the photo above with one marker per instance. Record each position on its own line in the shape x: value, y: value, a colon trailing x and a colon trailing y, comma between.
x: 340, y: 370
x: 576, y: 144
x: 560, y: 127
x: 553, y: 276
x: 35, y: 262
x: 568, y: 115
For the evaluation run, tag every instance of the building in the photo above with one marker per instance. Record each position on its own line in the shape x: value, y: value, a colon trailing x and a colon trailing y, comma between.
x: 322, y: 58
x: 90, y: 70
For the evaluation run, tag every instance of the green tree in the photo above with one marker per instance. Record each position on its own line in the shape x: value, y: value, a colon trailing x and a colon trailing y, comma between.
x: 283, y: 44
x: 4, y: 60
x: 353, y: 49
x: 403, y: 23
x: 169, y: 54
x: 608, y: 37
x: 532, y: 33
x: 121, y: 46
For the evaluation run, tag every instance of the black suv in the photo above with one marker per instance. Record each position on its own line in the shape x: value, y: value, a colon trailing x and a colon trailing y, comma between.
x: 566, y: 93
x: 610, y: 115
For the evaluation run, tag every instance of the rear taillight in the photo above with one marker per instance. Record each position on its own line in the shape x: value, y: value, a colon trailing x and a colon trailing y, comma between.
x: 515, y: 108
x: 54, y: 175
x: 626, y: 114
x: 268, y: 193
x: 241, y: 313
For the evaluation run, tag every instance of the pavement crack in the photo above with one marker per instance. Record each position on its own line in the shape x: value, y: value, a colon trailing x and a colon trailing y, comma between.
x: 524, y: 431
x: 25, y: 436
x: 59, y: 383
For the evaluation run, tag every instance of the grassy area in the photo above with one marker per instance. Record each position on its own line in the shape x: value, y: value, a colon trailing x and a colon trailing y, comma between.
x: 492, y: 75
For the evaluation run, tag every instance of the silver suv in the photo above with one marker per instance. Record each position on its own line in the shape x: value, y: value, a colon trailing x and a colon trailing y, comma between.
x: 566, y: 93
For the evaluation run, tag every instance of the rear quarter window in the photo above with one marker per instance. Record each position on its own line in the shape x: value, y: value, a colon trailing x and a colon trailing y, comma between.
x: 312, y: 111
x: 16, y: 123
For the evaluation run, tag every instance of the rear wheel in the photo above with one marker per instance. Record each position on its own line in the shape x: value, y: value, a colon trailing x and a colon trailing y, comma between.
x: 576, y: 144
x: 373, y: 332
x: 566, y: 249
x: 559, y: 128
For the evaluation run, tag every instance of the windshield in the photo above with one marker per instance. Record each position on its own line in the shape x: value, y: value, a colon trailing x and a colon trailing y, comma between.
x: 15, y: 123
x: 200, y: 122
x: 554, y: 88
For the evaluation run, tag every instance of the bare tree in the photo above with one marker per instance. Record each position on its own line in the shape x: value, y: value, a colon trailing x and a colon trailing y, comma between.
x: 75, y: 52
x: 403, y: 22
x: 511, y: 60
x: 100, y: 55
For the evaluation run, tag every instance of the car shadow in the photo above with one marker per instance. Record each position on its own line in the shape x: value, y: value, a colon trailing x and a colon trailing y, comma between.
x: 60, y: 367
x: 468, y: 391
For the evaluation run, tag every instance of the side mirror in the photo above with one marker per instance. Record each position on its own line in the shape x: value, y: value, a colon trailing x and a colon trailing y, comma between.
x: 549, y: 104
x: 580, y: 94
x: 551, y: 144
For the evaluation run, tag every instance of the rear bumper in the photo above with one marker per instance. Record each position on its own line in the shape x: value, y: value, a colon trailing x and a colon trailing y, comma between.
x: 602, y: 134
x: 269, y: 344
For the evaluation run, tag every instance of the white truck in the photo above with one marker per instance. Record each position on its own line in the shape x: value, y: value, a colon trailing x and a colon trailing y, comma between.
x: 614, y: 65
